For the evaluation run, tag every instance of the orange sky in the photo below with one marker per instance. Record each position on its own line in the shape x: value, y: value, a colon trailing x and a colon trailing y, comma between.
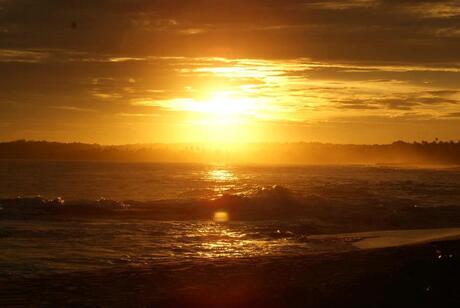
x: 118, y: 71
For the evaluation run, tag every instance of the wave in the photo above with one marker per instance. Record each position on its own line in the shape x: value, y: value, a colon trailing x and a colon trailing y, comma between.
x: 262, y: 199
x: 358, y: 210
x: 40, y: 203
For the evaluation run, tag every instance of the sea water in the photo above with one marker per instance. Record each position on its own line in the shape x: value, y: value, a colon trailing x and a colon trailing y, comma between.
x: 147, y: 212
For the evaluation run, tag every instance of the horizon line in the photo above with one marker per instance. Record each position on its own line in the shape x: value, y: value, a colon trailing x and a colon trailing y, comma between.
x: 436, y: 140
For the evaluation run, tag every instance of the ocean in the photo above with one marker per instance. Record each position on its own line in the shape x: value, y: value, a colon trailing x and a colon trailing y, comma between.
x: 63, y: 217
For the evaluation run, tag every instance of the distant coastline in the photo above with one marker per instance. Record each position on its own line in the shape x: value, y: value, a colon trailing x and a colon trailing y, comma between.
x: 399, y: 153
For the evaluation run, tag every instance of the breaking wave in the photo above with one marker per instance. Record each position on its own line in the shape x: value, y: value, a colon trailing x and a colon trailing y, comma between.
x: 271, y: 198
x: 355, y: 210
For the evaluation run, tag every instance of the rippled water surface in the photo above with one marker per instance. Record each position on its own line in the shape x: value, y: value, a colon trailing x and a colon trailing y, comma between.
x: 32, y: 245
x: 43, y: 246
x: 150, y: 181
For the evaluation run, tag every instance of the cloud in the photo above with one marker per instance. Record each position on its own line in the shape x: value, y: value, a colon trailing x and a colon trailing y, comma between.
x: 166, y: 91
x: 356, y: 105
x: 295, y: 61
x: 342, y: 5
x: 355, y: 30
x: 453, y: 115
x: 433, y: 9
x: 25, y: 56
x: 443, y: 92
x: 409, y: 102
x: 125, y: 59
x: 138, y: 115
x: 450, y: 32
x: 73, y: 108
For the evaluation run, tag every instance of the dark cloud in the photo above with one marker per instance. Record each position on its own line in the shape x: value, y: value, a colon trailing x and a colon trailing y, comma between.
x: 453, y: 115
x: 407, y: 31
x: 409, y: 102
x: 358, y: 106
x: 443, y: 92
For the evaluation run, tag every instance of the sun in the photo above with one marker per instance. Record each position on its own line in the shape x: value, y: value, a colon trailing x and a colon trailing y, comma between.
x: 221, y: 103
x: 221, y: 117
x: 224, y: 118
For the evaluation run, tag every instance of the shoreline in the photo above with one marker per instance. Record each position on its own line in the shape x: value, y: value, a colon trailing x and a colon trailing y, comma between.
x: 393, y: 238
x: 419, y: 275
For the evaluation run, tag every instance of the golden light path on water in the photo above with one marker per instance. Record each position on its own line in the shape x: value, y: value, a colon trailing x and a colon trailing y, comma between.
x: 221, y: 239
x: 221, y: 179
x: 221, y: 175
x: 224, y: 240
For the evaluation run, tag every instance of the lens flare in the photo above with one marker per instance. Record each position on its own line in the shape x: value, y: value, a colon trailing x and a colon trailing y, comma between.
x: 221, y: 216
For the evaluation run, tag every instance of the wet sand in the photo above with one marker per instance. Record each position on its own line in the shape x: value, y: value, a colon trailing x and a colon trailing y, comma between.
x: 391, y: 238
x: 419, y: 275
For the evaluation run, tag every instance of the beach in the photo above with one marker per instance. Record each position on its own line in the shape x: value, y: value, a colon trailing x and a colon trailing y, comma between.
x: 423, y: 275
x: 166, y: 235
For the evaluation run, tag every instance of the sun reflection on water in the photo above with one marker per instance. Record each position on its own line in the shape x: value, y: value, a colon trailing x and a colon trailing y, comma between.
x: 219, y: 240
x: 221, y: 175
x: 221, y: 180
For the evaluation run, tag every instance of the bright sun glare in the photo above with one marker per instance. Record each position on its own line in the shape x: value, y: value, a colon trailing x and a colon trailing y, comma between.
x: 228, y: 112
x: 224, y: 118
x: 223, y: 104
x: 222, y: 110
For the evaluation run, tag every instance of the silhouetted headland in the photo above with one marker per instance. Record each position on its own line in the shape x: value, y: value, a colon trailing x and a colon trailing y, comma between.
x: 399, y: 152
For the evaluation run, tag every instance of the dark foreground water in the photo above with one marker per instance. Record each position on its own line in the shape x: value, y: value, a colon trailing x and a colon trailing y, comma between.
x: 119, y: 215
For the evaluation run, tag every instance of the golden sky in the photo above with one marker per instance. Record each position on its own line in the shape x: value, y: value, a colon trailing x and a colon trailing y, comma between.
x: 119, y: 71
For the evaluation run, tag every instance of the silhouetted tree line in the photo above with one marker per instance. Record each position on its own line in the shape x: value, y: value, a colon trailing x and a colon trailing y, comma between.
x: 399, y: 152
